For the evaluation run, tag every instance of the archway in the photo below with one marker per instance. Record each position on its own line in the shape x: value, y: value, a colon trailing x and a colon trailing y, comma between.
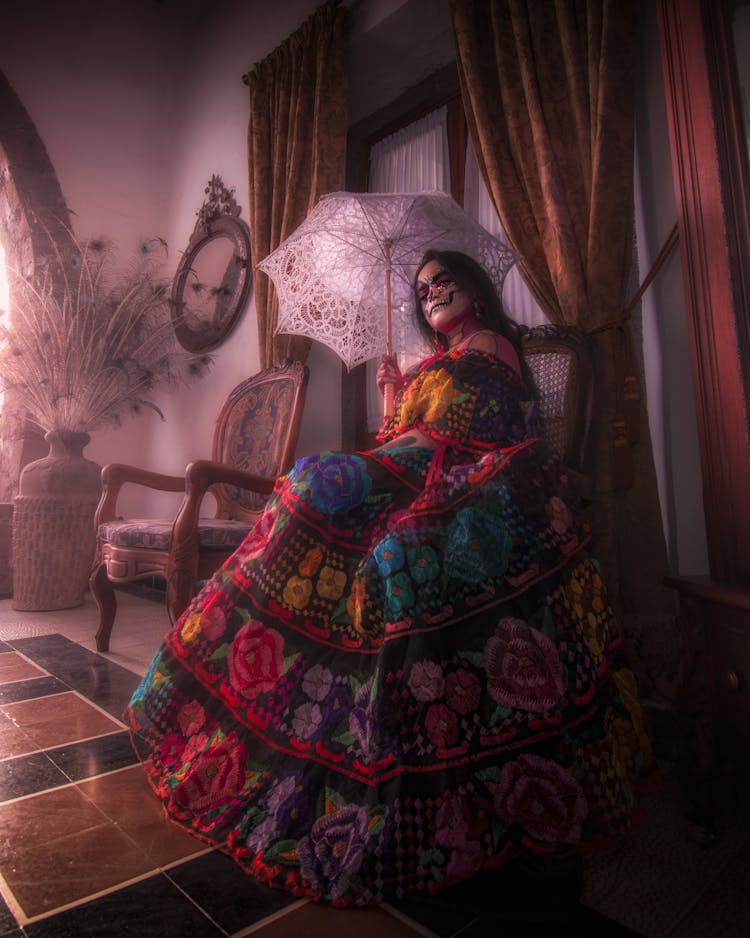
x: 32, y: 210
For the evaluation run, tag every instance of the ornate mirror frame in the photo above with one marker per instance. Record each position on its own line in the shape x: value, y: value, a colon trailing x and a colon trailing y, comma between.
x: 221, y: 302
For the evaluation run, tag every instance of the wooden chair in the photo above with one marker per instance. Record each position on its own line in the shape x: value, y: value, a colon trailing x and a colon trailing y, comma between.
x: 562, y: 362
x: 253, y: 443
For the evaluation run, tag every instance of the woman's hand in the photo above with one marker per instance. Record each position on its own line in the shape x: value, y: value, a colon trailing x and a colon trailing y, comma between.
x: 388, y: 373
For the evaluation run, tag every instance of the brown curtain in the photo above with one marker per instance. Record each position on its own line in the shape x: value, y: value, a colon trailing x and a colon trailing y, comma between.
x: 548, y: 90
x: 296, y: 145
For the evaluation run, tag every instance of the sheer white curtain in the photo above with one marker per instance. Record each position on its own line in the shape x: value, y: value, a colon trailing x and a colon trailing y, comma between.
x: 518, y: 300
x: 414, y: 159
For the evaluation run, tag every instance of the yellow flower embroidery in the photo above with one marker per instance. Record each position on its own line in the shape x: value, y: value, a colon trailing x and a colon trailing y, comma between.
x: 331, y: 583
x: 191, y: 628
x: 438, y: 392
x: 297, y: 592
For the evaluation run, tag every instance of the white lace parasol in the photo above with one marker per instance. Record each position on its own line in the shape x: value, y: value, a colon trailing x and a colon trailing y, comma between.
x: 347, y: 270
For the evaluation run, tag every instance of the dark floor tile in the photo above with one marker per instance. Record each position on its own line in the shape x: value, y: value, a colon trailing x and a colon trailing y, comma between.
x: 8, y: 926
x: 152, y: 908
x: 28, y: 774
x: 94, y: 756
x: 581, y: 922
x: 27, y: 690
x: 231, y: 897
x: 107, y: 684
x: 524, y: 890
x: 440, y: 916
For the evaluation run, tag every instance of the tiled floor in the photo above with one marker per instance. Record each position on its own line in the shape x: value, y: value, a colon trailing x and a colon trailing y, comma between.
x: 84, y: 848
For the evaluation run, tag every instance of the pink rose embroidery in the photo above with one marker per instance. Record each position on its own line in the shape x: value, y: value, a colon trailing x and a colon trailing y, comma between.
x: 257, y: 540
x: 451, y: 823
x: 213, y: 623
x: 255, y: 659
x: 462, y: 691
x: 442, y: 725
x: 218, y: 774
x: 465, y: 860
x: 191, y: 718
x: 523, y: 669
x: 541, y: 796
x: 560, y: 516
x: 426, y: 680
x: 171, y: 750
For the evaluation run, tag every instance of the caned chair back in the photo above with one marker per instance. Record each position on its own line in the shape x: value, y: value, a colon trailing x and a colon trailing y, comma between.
x: 561, y: 360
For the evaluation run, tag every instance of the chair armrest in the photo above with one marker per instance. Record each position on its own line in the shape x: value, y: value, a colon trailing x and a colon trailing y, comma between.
x: 115, y: 475
x: 199, y: 477
x: 204, y: 473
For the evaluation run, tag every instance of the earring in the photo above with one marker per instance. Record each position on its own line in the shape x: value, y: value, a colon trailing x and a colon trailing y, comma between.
x: 478, y: 310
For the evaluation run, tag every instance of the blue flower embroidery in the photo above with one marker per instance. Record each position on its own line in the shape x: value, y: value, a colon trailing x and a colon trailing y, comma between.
x: 399, y: 594
x: 478, y: 546
x: 389, y: 555
x: 423, y: 564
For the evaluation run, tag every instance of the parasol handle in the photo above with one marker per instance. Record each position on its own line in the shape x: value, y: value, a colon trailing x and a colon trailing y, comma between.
x: 388, y: 394
x: 388, y: 389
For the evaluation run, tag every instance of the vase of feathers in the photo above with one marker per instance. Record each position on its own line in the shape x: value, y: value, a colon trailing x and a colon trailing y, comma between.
x: 54, y: 537
x: 85, y: 344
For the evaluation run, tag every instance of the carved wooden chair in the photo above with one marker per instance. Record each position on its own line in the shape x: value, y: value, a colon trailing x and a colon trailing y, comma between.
x: 253, y: 443
x: 562, y: 362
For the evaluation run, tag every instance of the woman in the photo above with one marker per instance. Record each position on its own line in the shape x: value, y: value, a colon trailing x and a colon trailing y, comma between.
x: 408, y: 671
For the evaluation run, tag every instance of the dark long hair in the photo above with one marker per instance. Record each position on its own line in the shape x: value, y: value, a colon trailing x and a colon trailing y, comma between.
x: 475, y: 280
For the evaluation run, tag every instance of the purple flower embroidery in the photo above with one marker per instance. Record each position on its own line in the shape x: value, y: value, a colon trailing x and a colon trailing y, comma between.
x: 332, y: 852
x: 259, y: 837
x: 280, y: 792
x: 337, y: 703
x: 306, y: 720
x: 426, y: 680
x: 333, y: 482
x: 317, y: 682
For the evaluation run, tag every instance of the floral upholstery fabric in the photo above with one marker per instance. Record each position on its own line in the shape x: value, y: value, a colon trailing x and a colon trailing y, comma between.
x: 251, y: 439
x: 154, y: 534
x: 409, y: 669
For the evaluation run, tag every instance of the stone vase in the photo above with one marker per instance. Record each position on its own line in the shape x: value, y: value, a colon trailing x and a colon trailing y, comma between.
x: 53, y: 525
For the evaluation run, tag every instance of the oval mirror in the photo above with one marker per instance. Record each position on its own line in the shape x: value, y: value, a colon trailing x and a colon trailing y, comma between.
x: 213, y: 279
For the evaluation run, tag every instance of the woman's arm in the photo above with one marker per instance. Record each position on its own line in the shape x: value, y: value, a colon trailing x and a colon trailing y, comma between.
x: 494, y: 344
x: 410, y: 438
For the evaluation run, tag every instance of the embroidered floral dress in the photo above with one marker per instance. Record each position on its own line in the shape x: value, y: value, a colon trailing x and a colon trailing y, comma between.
x: 409, y: 670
